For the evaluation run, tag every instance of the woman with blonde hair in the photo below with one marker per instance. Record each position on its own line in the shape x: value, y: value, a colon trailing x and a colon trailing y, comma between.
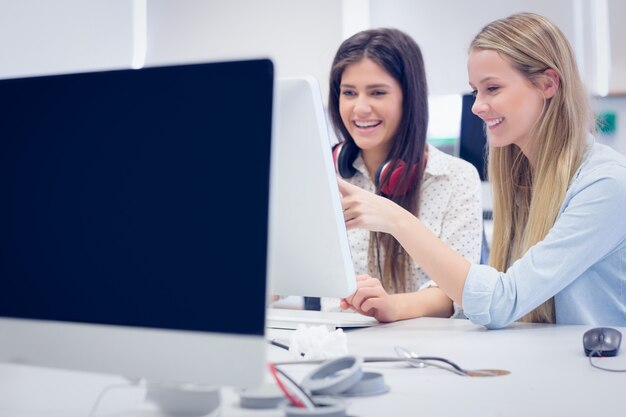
x: 558, y: 253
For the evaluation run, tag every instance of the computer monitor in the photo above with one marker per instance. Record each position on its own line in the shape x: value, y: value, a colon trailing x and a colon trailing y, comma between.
x: 309, y: 250
x: 134, y: 221
x: 473, y: 140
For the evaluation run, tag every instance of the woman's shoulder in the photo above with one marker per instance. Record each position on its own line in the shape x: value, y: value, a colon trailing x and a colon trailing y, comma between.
x: 603, y: 168
x: 602, y: 161
x: 606, y: 154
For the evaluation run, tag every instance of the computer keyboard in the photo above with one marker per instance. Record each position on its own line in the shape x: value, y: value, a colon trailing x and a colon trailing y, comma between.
x: 280, y: 318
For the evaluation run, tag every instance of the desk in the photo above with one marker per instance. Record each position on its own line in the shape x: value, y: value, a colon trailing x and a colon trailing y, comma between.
x: 550, y: 376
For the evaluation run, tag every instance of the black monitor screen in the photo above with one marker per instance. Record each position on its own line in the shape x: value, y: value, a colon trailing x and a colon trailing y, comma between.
x: 472, y: 141
x: 137, y: 197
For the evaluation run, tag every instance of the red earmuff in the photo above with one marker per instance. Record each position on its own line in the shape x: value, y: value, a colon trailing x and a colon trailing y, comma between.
x: 344, y: 156
x: 392, y: 186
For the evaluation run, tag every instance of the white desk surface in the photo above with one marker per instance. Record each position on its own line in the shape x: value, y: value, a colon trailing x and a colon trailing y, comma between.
x: 550, y: 376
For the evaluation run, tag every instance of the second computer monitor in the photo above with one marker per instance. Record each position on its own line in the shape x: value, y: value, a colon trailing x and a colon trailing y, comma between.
x: 309, y: 250
x: 473, y: 140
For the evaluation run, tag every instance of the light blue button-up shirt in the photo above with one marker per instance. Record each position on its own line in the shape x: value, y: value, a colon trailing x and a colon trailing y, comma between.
x: 581, y: 261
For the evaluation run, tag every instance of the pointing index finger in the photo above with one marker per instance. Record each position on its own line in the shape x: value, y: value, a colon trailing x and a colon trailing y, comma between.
x: 345, y: 188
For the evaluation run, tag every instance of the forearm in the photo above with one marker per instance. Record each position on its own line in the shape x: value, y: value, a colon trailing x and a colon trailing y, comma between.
x: 440, y: 262
x: 429, y: 302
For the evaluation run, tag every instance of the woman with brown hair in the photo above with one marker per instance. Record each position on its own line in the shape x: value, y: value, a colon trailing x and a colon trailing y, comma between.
x: 378, y: 104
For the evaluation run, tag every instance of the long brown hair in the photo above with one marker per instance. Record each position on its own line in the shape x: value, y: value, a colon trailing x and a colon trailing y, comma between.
x: 401, y: 57
x: 527, y: 200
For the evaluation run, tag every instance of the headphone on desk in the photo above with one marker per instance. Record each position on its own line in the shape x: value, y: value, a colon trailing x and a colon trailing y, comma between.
x: 345, y: 153
x: 337, y: 378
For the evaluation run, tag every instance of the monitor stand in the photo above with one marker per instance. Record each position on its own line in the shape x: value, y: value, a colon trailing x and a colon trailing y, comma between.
x: 186, y: 400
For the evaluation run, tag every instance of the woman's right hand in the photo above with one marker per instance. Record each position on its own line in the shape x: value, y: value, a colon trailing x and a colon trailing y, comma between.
x: 365, y: 210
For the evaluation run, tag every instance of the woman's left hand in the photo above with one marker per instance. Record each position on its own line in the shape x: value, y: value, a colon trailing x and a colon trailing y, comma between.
x: 371, y: 299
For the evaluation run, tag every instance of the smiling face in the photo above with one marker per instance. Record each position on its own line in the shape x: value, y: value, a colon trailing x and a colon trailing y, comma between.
x: 506, y: 100
x: 370, y: 104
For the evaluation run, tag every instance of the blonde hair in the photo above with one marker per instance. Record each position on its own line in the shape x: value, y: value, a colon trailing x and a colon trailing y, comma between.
x: 526, y: 199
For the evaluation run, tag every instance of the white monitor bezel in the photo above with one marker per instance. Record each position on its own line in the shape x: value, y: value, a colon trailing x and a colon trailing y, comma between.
x: 153, y: 354
x: 309, y: 251
x: 160, y: 355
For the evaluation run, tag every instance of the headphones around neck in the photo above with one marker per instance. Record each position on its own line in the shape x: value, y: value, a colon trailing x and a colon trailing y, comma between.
x: 345, y: 153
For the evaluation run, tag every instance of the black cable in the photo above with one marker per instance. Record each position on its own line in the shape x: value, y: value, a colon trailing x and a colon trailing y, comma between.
x: 406, y: 356
x: 444, y: 360
x: 105, y: 390
x: 375, y: 359
x: 421, y: 358
x: 593, y: 353
x: 281, y: 345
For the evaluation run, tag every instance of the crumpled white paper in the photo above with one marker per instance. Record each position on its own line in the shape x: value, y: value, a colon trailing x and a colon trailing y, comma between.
x: 317, y: 342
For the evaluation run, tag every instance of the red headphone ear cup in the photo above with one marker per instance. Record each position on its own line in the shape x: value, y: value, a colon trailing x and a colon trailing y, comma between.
x: 336, y: 152
x: 392, y: 186
x: 343, y: 156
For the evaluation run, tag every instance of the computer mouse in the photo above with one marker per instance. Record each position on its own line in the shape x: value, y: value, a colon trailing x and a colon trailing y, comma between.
x: 602, y: 341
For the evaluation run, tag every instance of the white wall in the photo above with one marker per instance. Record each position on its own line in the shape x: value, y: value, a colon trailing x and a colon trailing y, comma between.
x: 47, y: 37
x: 444, y: 28
x: 617, y: 16
x: 44, y: 37
x: 301, y: 36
